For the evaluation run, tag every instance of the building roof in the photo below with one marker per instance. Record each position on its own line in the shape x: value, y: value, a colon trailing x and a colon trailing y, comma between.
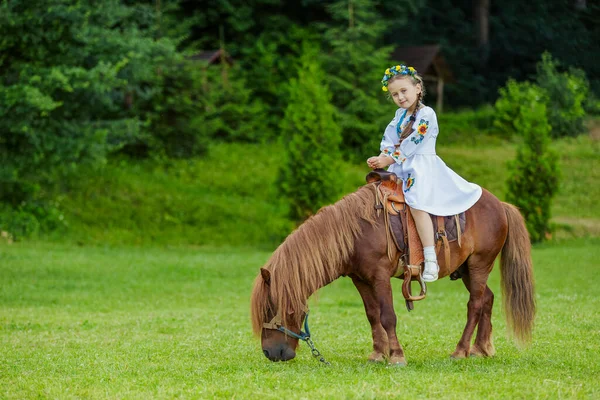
x: 212, y: 56
x: 427, y: 60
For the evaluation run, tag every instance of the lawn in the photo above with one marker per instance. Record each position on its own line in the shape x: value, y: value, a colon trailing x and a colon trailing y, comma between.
x: 205, y: 202
x: 149, y: 322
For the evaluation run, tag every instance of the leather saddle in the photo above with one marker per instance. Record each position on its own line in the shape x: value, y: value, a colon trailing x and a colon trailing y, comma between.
x: 391, y: 197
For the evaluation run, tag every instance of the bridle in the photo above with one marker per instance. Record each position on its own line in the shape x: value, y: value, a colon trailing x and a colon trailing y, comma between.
x: 276, y: 324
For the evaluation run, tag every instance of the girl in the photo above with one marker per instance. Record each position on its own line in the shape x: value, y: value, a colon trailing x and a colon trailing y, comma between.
x: 408, y: 148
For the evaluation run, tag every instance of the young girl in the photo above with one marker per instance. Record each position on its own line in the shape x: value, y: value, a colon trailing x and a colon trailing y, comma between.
x: 408, y: 148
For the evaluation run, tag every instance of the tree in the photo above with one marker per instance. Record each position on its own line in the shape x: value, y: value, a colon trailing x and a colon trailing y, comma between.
x: 67, y: 71
x: 354, y: 65
x: 567, y: 92
x: 534, y: 174
x: 312, y: 138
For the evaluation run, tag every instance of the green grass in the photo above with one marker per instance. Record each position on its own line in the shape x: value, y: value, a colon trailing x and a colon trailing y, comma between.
x: 220, y: 200
x: 149, y: 322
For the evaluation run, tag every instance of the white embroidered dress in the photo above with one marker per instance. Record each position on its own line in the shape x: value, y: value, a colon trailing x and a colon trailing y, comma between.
x: 428, y: 183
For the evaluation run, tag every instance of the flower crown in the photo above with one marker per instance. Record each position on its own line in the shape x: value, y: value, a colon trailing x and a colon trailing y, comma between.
x: 396, y: 70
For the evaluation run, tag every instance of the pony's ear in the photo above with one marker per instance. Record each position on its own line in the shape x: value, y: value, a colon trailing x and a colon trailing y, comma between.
x: 266, y: 275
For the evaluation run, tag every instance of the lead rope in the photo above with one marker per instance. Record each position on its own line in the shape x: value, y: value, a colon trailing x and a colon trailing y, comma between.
x: 305, y: 336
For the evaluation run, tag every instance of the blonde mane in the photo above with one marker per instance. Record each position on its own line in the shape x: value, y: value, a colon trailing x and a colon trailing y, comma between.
x: 311, y: 257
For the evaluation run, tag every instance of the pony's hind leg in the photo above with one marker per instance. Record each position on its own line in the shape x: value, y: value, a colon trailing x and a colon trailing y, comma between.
x: 381, y: 347
x: 481, y: 297
x: 484, y: 345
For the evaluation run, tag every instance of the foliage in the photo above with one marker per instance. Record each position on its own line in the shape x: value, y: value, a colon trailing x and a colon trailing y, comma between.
x: 354, y: 66
x: 190, y: 202
x: 171, y: 108
x: 230, y: 111
x: 468, y: 126
x: 534, y: 176
x: 67, y: 71
x: 558, y: 27
x: 312, y: 139
x: 567, y: 93
x: 268, y: 64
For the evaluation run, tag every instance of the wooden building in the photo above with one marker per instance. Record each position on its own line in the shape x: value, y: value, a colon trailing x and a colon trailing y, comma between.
x: 213, y: 57
x: 430, y: 64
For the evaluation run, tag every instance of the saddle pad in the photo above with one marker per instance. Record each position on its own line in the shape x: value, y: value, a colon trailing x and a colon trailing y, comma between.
x: 414, y: 242
x: 450, y: 225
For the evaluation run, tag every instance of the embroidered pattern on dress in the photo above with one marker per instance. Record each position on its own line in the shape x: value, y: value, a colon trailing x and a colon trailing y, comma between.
x: 398, y: 156
x: 401, y: 124
x: 409, y: 183
x: 421, y: 130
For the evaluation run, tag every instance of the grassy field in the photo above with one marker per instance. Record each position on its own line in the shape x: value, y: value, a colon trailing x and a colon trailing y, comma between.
x: 211, y: 201
x: 145, y: 293
x: 144, y: 322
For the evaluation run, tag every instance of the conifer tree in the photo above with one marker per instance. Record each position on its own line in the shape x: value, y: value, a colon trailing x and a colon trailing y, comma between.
x: 312, y: 139
x: 354, y: 66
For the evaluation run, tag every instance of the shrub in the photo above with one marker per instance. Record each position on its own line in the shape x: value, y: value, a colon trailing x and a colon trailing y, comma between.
x: 534, y: 174
x: 567, y: 94
x: 230, y: 110
x: 467, y: 126
x: 169, y: 111
x: 312, y: 138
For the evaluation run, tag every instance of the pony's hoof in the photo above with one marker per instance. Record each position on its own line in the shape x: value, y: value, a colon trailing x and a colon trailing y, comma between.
x: 458, y: 355
x: 477, y: 352
x: 376, y: 358
x: 397, y: 362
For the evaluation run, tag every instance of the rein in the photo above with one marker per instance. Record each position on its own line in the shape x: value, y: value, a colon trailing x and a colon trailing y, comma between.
x: 276, y: 325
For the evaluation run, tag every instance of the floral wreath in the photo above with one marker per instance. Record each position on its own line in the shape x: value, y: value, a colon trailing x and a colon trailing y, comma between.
x: 396, y: 70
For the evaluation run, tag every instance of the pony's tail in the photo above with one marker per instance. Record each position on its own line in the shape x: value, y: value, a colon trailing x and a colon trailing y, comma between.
x: 516, y: 277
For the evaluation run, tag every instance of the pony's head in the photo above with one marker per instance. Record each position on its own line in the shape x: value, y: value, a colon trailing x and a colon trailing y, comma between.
x: 270, y: 314
x: 310, y: 257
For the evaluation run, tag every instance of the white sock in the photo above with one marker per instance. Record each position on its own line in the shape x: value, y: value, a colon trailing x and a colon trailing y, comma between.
x: 429, y: 253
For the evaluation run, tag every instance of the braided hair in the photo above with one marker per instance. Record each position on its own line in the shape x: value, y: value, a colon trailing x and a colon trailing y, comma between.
x: 408, y: 128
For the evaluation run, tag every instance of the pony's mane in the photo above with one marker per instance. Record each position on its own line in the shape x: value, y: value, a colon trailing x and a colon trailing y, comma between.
x: 311, y: 257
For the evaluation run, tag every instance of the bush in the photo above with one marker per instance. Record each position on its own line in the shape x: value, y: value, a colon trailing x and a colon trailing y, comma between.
x: 230, y: 110
x: 534, y: 175
x: 312, y: 139
x: 567, y: 94
x: 169, y: 111
x: 467, y: 126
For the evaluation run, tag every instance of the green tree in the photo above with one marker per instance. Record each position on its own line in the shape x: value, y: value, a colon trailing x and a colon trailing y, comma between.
x: 354, y: 65
x: 534, y: 174
x: 567, y: 93
x: 69, y: 71
x: 312, y: 139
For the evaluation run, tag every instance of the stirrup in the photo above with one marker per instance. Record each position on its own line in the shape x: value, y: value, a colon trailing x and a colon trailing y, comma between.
x: 430, y: 277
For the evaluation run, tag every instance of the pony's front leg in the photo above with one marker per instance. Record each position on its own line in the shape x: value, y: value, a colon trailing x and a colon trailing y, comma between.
x: 381, y: 349
x: 383, y: 293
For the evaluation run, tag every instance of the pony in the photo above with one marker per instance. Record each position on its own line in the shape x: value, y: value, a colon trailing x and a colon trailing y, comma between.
x: 348, y: 239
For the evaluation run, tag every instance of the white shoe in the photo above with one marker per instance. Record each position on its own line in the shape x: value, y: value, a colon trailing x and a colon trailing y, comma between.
x: 430, y: 273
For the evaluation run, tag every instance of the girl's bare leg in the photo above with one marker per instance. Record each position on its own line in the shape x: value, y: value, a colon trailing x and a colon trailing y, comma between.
x: 425, y: 229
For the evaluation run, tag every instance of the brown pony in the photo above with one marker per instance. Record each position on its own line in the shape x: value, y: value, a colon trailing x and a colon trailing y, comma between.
x: 348, y: 238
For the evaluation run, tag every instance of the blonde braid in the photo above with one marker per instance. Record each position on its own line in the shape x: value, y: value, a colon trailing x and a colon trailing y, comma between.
x: 408, y: 129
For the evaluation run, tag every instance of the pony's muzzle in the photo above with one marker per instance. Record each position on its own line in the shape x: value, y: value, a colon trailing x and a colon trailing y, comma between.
x: 281, y: 352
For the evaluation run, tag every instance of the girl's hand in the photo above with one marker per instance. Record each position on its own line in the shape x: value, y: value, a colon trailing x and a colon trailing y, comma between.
x: 371, y: 162
x: 380, y: 162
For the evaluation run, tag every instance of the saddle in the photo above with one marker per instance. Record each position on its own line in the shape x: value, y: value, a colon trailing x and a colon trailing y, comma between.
x: 401, y: 229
